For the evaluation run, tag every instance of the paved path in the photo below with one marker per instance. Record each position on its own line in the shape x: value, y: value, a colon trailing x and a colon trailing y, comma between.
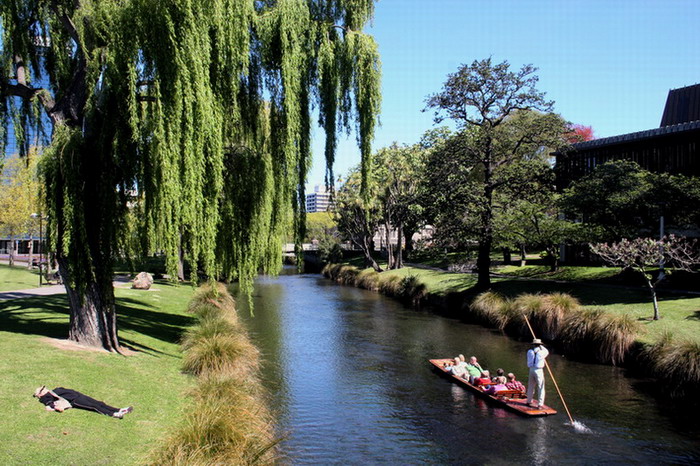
x: 48, y: 290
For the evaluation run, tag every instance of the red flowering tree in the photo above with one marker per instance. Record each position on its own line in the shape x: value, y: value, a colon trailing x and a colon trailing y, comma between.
x: 579, y: 133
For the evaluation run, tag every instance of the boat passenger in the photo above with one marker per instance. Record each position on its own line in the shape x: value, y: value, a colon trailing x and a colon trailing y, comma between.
x: 495, y: 388
x: 499, y: 377
x: 514, y: 384
x: 484, y: 379
x: 474, y: 369
x: 458, y: 368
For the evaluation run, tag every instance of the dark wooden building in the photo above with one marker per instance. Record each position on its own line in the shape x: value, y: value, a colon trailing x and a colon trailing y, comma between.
x: 673, y: 148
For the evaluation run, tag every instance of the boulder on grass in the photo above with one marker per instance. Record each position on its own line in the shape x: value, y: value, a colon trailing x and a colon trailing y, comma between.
x: 143, y: 281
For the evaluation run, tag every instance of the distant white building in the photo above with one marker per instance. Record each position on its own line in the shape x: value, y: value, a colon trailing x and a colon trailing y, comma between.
x: 319, y: 200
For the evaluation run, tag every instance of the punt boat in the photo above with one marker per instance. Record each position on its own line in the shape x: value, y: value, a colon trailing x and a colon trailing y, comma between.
x: 512, y: 400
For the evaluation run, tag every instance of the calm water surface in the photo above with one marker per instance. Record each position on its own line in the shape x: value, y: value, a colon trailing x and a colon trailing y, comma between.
x: 349, y: 379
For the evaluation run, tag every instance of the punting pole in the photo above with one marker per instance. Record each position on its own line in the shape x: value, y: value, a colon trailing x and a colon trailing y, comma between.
x: 551, y: 375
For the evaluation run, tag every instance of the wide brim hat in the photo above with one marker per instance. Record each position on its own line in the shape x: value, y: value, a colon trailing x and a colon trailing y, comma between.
x: 536, y: 341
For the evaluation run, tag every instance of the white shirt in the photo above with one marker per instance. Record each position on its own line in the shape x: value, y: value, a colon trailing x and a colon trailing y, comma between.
x: 535, y: 357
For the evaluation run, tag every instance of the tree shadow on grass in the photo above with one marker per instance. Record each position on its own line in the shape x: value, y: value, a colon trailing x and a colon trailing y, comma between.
x: 694, y: 316
x: 48, y: 316
x: 163, y: 326
x: 587, y: 293
x: 42, y: 315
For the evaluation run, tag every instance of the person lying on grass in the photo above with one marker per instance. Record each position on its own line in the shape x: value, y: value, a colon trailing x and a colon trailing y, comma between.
x: 59, y: 399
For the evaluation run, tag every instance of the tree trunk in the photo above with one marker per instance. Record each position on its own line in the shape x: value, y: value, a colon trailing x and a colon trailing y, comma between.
x: 181, y: 264
x: 483, y: 261
x: 11, y: 252
x: 93, y: 320
x: 389, y: 246
x: 399, y: 246
x: 506, y: 256
x: 652, y: 290
x: 366, y: 247
x: 553, y: 259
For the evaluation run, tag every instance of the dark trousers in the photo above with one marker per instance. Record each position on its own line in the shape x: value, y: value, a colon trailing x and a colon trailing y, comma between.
x: 79, y: 400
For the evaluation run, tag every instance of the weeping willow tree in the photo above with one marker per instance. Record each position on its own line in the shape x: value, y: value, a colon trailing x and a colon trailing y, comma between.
x: 193, y: 117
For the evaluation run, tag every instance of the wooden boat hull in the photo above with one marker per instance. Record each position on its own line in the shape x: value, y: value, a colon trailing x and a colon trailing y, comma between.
x: 509, y: 402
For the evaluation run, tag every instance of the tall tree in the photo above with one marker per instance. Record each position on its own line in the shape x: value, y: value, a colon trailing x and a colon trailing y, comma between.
x: 396, y: 171
x: 500, y: 110
x: 358, y: 216
x: 198, y: 110
x: 19, y: 199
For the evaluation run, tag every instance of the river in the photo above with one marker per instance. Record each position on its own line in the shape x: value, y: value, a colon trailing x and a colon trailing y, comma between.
x: 350, y: 383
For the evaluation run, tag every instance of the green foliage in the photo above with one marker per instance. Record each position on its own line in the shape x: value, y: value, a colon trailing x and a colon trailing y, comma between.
x: 19, y: 196
x: 194, y: 114
x: 620, y: 199
x: 505, y: 125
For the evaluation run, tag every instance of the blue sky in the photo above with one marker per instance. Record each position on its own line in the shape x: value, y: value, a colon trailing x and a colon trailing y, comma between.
x: 606, y: 63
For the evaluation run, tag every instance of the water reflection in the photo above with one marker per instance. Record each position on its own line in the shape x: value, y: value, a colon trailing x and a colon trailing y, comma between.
x: 348, y: 374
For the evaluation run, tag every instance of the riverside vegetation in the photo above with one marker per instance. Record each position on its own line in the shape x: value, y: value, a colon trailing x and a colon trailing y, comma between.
x: 610, y: 334
x: 226, y: 419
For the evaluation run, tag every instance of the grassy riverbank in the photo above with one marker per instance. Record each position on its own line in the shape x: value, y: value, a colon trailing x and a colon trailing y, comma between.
x: 18, y: 277
x: 150, y: 379
x: 227, y: 421
x: 680, y: 313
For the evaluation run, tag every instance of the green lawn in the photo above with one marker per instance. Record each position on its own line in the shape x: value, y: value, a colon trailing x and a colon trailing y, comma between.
x: 150, y: 323
x: 18, y: 277
x: 563, y: 273
x: 680, y: 313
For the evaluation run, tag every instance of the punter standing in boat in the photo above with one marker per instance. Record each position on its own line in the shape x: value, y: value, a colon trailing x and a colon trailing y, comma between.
x: 535, y: 362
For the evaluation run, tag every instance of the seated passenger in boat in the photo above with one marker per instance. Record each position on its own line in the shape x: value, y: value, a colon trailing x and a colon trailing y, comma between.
x: 457, y: 367
x: 499, y: 378
x: 495, y: 388
x: 513, y: 384
x: 484, y: 379
x: 474, y: 369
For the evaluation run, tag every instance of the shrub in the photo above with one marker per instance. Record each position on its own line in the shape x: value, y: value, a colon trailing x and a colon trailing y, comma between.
x: 367, y: 279
x: 228, y: 421
x: 225, y: 354
x: 615, y: 335
x: 490, y: 308
x: 412, y: 289
x: 677, y: 365
x: 552, y: 313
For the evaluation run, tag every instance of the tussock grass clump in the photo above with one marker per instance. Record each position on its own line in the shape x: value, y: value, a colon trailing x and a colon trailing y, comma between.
x: 228, y: 421
x: 552, y: 313
x: 616, y: 333
x: 214, y: 294
x: 209, y: 326
x: 604, y: 336
x: 367, y: 279
x: 408, y: 289
x: 228, y: 354
x: 528, y: 306
x: 676, y: 364
x: 491, y: 308
x: 390, y: 285
x: 413, y: 289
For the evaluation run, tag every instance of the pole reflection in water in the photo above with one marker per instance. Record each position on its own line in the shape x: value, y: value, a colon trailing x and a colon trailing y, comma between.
x: 348, y: 376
